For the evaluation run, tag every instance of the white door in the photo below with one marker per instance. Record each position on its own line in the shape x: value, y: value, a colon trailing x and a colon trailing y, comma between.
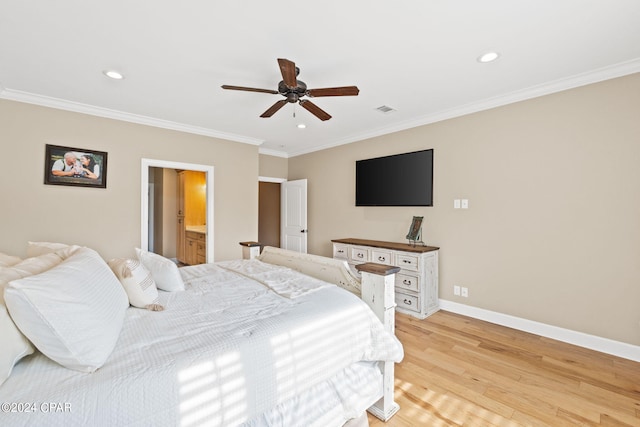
x: 293, y: 215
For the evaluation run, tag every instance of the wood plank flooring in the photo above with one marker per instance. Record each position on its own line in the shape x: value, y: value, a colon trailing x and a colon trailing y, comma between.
x: 459, y: 371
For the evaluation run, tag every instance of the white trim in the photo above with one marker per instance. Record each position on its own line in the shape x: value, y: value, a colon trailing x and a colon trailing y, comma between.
x: 61, y: 104
x: 604, y: 345
x: 269, y: 152
x: 144, y: 199
x: 270, y: 179
x: 594, y: 76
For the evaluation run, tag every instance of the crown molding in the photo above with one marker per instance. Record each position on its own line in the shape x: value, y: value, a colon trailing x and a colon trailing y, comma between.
x: 583, y: 79
x: 269, y: 152
x: 595, y: 76
x: 77, y: 107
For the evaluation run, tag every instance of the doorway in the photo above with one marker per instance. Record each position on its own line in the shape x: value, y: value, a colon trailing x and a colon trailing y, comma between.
x: 148, y: 171
x: 269, y: 214
x: 282, y: 213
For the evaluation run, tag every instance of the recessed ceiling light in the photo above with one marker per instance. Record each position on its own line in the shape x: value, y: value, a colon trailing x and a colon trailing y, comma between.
x: 112, y: 74
x: 302, y: 126
x: 488, y: 57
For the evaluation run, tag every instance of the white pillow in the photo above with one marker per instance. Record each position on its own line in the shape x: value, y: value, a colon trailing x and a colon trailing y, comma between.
x: 15, y: 345
x: 164, y: 271
x: 136, y: 281
x: 8, y: 260
x: 41, y: 248
x: 73, y: 312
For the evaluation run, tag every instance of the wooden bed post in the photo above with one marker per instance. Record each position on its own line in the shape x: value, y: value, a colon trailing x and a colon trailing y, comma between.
x: 378, y: 292
x: 250, y: 250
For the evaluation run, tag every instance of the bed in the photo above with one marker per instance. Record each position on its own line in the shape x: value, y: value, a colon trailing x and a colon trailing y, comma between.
x: 247, y: 342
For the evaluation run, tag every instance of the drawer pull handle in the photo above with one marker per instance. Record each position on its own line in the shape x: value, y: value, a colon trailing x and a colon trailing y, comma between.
x: 406, y: 262
x: 406, y: 282
x: 360, y: 256
x: 381, y: 258
x: 407, y: 301
x: 341, y: 252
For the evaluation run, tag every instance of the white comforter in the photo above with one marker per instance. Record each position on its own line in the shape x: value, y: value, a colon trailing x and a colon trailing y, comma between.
x: 229, y: 350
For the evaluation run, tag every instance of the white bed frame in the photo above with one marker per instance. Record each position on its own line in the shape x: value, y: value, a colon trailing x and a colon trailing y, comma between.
x: 376, y: 289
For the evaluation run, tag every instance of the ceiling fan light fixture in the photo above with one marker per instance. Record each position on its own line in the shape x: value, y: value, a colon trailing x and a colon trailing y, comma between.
x: 488, y: 57
x: 113, y: 74
x: 295, y: 91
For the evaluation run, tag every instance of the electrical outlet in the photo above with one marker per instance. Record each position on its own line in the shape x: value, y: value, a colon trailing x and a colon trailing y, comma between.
x: 464, y: 203
x: 464, y: 292
x: 456, y: 290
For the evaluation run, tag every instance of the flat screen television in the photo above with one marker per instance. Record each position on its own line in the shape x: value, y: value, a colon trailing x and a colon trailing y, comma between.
x: 397, y: 180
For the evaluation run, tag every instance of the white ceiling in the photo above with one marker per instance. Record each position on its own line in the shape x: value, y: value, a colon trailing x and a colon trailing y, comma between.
x: 417, y: 56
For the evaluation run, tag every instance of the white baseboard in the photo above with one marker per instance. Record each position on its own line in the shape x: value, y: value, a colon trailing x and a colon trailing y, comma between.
x: 604, y: 345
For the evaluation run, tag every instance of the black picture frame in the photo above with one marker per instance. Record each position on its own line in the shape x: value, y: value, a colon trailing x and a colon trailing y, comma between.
x: 79, y: 167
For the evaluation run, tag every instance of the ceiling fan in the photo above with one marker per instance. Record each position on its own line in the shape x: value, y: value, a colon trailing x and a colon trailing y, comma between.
x: 294, y: 90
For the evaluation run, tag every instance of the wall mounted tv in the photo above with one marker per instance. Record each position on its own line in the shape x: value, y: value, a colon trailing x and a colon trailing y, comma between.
x: 398, y: 180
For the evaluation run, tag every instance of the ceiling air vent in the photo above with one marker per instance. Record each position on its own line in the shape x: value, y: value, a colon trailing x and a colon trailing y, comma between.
x: 385, y: 109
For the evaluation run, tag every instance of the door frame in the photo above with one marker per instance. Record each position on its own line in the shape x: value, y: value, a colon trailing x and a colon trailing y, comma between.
x: 144, y: 198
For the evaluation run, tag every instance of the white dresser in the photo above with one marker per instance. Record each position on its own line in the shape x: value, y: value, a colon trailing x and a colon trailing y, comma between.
x: 416, y: 285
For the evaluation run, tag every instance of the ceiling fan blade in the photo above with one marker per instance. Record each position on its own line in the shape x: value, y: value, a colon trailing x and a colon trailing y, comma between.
x: 288, y: 70
x: 334, y: 91
x: 250, y: 89
x: 275, y: 107
x: 314, y: 109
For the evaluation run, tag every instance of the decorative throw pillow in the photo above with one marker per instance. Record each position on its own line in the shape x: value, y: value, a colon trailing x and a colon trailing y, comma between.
x: 8, y: 260
x: 15, y: 345
x: 137, y: 282
x: 164, y: 271
x: 72, y: 313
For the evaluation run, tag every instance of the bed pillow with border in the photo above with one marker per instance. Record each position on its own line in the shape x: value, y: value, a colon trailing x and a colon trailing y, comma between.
x: 72, y: 313
x: 15, y: 345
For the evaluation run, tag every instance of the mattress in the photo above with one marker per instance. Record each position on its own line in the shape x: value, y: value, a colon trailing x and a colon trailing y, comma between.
x: 246, y: 343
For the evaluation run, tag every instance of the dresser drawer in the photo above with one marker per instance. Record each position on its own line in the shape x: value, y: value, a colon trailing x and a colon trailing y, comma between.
x: 408, y: 302
x: 357, y: 254
x: 407, y: 262
x: 408, y: 282
x: 340, y: 251
x: 381, y: 257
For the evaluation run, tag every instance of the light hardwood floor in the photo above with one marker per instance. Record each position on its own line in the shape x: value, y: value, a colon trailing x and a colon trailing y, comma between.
x: 459, y: 371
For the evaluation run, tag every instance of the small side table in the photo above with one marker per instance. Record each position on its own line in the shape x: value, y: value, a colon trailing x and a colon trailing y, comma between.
x: 250, y: 250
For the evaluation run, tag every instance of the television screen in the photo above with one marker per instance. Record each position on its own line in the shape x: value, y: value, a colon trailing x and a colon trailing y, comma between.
x: 398, y: 180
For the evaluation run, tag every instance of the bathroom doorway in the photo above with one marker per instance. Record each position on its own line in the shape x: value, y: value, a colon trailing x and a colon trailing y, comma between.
x: 160, y: 217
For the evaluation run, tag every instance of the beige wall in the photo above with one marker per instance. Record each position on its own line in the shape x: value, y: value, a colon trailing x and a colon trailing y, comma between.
x: 109, y: 219
x: 553, y: 229
x: 273, y: 167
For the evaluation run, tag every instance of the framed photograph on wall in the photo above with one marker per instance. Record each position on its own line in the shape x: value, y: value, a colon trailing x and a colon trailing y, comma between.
x: 75, y: 166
